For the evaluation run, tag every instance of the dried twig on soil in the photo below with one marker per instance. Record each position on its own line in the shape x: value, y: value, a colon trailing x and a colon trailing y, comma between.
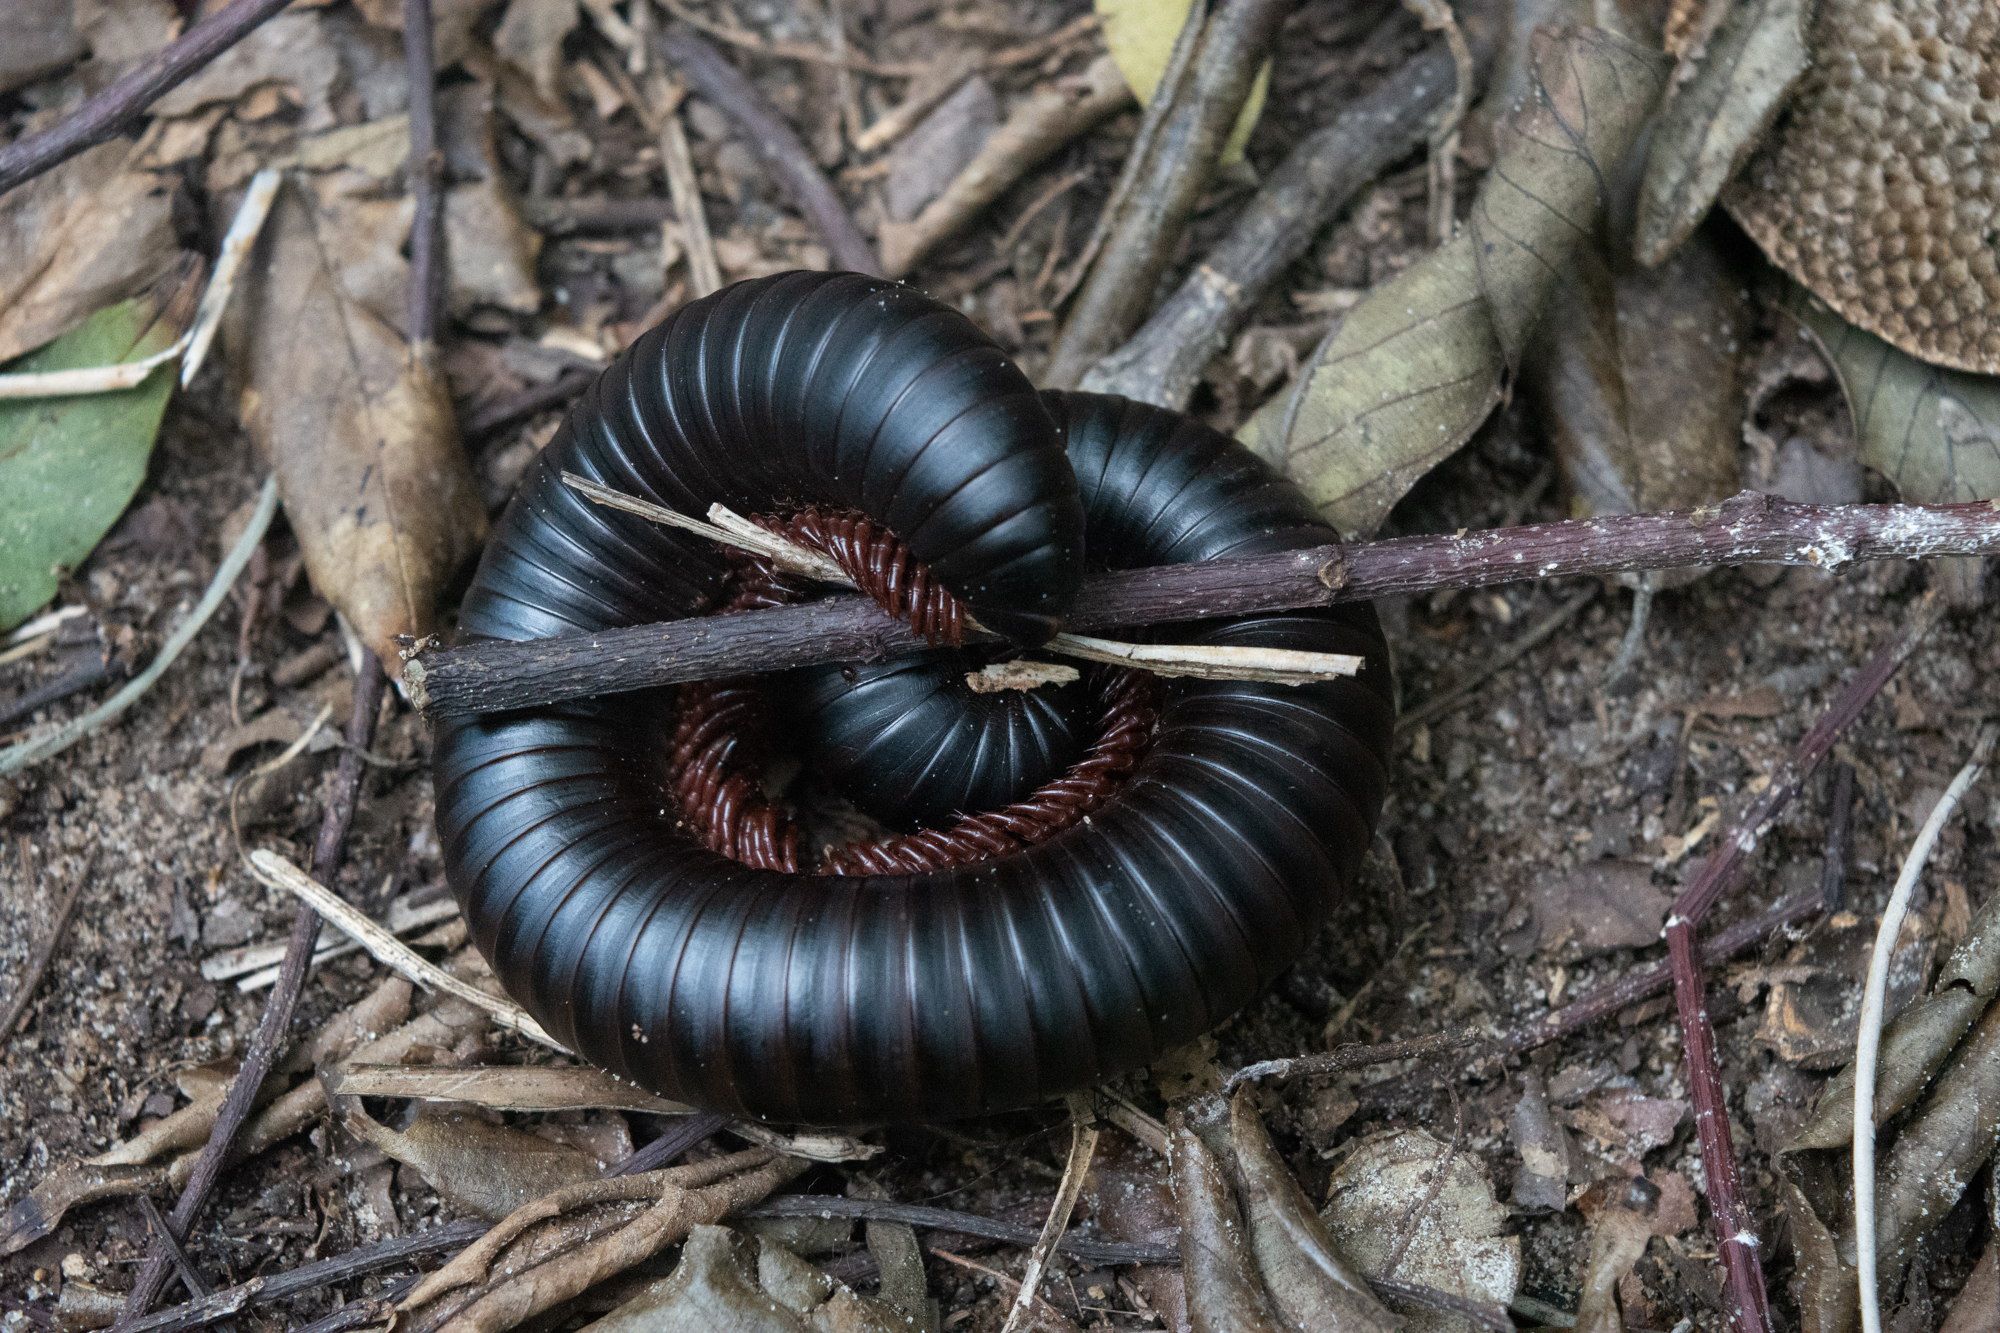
x: 1749, y: 528
x: 426, y: 177
x: 279, y: 873
x: 677, y: 160
x: 1498, y: 662
x: 1833, y: 859
x: 1735, y: 1234
x: 1034, y: 130
x: 966, y: 1224
x: 107, y: 115
x: 663, y: 1150
x: 719, y: 82
x: 31, y: 976
x: 1082, y: 1148
x: 1170, y: 174
x: 274, y: 1030
x: 1869, y: 1035
x: 1352, y: 1057
x: 512, y: 411
x: 1163, y: 361
x: 42, y: 747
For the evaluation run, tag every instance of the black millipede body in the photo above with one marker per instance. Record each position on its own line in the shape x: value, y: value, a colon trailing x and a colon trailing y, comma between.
x: 1089, y: 876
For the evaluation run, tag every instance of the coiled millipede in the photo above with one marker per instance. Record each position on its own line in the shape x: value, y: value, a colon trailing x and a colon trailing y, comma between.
x: 1138, y: 857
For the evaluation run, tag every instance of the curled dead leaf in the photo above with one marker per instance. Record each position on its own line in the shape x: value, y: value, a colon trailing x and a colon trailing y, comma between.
x: 362, y: 437
x: 1415, y: 368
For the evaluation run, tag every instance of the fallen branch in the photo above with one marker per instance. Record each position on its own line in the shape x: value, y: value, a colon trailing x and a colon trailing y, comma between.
x: 108, y: 114
x: 1749, y: 528
x: 514, y: 410
x: 719, y: 82
x: 426, y: 177
x: 1163, y: 361
x: 1034, y: 130
x: 1167, y: 177
x: 1734, y: 1231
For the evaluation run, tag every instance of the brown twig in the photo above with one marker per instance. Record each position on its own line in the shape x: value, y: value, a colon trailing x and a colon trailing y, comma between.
x: 273, y: 1031
x: 107, y: 115
x: 426, y: 176
x: 163, y: 1235
x: 1034, y: 130
x: 1749, y: 528
x: 595, y: 213
x: 93, y: 669
x: 1176, y: 168
x: 1163, y: 361
x: 1352, y: 1057
x: 663, y: 1150
x: 1594, y: 1006
x: 1734, y: 1229
x: 512, y: 411
x: 1833, y: 861
x: 719, y: 82
x: 31, y: 976
x: 965, y: 1224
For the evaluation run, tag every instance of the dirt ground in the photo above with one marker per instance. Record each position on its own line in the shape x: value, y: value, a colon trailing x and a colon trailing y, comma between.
x: 1544, y: 775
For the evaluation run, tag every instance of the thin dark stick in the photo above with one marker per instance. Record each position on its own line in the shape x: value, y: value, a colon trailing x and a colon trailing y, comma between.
x: 718, y: 81
x: 669, y: 1145
x: 1749, y: 528
x: 163, y: 1234
x: 967, y: 1224
x: 1490, y: 1318
x: 307, y: 1278
x: 1594, y: 1006
x: 565, y: 217
x: 1833, y: 863
x: 96, y: 667
x: 1353, y: 1057
x: 107, y: 115
x: 512, y: 411
x: 1172, y: 173
x: 1734, y: 1228
x: 426, y: 175
x: 31, y: 978
x: 273, y: 1030
x: 1163, y: 361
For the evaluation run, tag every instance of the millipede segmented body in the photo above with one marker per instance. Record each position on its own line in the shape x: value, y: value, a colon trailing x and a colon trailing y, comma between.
x: 1080, y: 878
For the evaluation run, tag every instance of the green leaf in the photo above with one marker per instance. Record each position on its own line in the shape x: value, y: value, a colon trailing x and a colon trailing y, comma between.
x: 1140, y: 35
x: 1934, y: 432
x: 1415, y: 368
x: 1713, y: 120
x: 68, y: 466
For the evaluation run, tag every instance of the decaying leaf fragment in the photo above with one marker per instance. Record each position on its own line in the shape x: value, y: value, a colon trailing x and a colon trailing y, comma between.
x: 1621, y: 1214
x: 1715, y: 118
x: 1920, y: 1039
x: 1309, y: 1282
x: 1935, y: 433
x: 1879, y: 191
x: 79, y: 238
x: 68, y: 465
x: 70, y: 1186
x: 1455, y: 1244
x: 727, y: 1280
x: 485, y: 1168
x: 361, y: 436
x: 502, y: 1087
x: 1223, y: 1293
x: 1415, y: 368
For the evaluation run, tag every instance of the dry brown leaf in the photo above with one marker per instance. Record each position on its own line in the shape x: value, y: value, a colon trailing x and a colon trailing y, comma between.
x: 1415, y: 368
x: 293, y: 51
x: 37, y: 37
x: 70, y: 1186
x: 1917, y: 1043
x: 486, y: 1168
x: 362, y: 439
x: 1610, y: 369
x: 531, y: 35
x: 1976, y: 1308
x: 727, y: 1280
x: 1456, y: 1245
x: 84, y: 236
x: 1224, y: 1292
x: 490, y: 249
x: 452, y: 22
x: 121, y: 31
x: 1621, y: 1214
